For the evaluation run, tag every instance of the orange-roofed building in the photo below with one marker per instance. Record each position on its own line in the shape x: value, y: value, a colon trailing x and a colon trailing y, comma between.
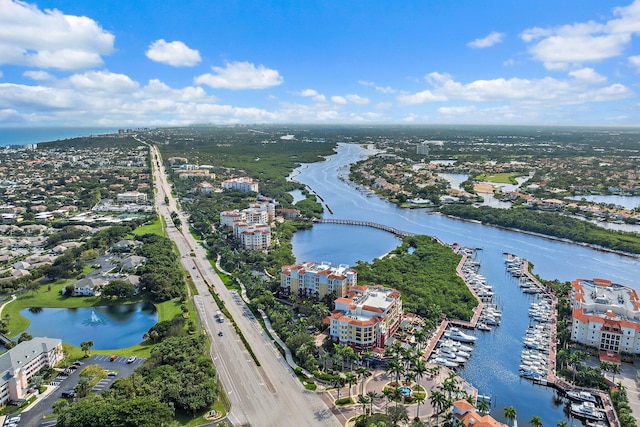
x: 606, y: 316
x: 466, y: 413
x: 366, y: 317
x: 310, y: 279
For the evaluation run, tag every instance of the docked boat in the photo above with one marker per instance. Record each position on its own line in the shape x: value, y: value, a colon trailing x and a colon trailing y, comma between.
x: 587, y: 410
x: 483, y: 327
x: 458, y: 335
x: 581, y: 396
x: 444, y: 362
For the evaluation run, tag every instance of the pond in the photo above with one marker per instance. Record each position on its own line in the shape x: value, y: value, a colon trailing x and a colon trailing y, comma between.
x: 109, y: 327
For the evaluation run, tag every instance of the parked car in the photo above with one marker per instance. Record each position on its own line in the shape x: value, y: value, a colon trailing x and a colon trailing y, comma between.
x: 112, y: 374
x: 69, y: 393
x: 131, y: 359
x: 220, y: 334
x: 78, y: 363
x: 113, y: 358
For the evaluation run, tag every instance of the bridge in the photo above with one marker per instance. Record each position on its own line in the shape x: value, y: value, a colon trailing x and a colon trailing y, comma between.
x: 383, y: 227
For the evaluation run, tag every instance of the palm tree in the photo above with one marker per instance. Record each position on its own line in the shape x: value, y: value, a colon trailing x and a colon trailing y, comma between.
x: 561, y: 424
x: 373, y: 396
x: 388, y: 395
x: 420, y: 369
x: 483, y: 406
x: 398, y: 414
x: 397, y: 395
x: 338, y: 382
x: 615, y: 369
x: 510, y: 413
x: 421, y: 338
x: 364, y: 401
x: 419, y: 398
x: 351, y: 379
x: 535, y: 421
x: 394, y: 367
x: 439, y: 402
x: 363, y: 373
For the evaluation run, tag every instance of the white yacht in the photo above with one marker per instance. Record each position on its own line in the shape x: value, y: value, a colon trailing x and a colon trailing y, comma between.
x: 458, y: 335
x: 587, y: 410
x: 582, y: 396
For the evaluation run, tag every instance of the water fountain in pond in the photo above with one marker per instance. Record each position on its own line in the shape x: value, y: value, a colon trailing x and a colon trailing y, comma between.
x: 93, y: 320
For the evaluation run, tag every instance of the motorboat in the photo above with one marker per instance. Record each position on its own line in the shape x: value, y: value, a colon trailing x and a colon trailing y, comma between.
x: 483, y: 327
x: 582, y: 396
x: 444, y: 362
x: 456, y: 344
x: 458, y: 335
x: 587, y: 410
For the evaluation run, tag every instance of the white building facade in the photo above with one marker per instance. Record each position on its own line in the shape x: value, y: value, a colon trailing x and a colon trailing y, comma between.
x: 605, y: 316
x: 310, y: 279
x: 366, y: 317
x: 22, y: 362
x: 244, y: 184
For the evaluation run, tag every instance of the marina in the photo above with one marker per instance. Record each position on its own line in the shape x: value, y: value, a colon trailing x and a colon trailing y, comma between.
x: 494, y: 364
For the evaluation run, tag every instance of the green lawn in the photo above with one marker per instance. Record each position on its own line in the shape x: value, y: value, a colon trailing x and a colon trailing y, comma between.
x: 52, y: 299
x: 500, y: 178
x: 153, y: 228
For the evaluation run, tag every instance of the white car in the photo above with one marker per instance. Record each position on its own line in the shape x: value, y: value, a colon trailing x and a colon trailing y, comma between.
x: 131, y: 359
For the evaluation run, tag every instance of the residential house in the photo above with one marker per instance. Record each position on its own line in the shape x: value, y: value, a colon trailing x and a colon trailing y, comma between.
x: 89, y: 286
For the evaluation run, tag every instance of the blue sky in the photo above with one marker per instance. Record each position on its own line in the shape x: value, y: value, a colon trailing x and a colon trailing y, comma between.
x: 161, y: 63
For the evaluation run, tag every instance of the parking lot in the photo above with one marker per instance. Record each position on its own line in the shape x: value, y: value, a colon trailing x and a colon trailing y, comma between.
x: 67, y: 380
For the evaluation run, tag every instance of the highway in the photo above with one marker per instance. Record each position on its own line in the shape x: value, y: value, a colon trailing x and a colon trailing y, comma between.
x: 269, y: 395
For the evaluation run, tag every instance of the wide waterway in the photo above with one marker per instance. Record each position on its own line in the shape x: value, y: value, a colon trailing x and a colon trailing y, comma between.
x: 493, y: 368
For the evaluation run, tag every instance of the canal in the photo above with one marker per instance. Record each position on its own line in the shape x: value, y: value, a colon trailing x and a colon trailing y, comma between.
x: 493, y: 368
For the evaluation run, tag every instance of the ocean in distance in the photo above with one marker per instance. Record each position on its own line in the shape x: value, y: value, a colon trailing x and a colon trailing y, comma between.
x: 23, y: 136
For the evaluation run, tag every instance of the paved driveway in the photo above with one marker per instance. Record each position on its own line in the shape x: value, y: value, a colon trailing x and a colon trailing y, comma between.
x: 33, y: 416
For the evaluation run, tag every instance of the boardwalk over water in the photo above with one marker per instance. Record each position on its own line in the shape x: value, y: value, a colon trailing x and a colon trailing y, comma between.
x: 399, y: 233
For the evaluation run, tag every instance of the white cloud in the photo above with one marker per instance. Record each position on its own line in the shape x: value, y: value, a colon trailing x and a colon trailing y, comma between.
x: 50, y: 39
x: 420, y: 98
x: 457, y: 110
x: 339, y: 99
x: 356, y: 99
x: 311, y: 93
x: 588, y: 75
x: 103, y: 81
x: 38, y: 75
x: 634, y: 61
x: 173, y: 53
x: 241, y: 75
x: 366, y: 83
x: 575, y: 44
x: 386, y: 89
x: 487, y: 41
x: 583, y: 87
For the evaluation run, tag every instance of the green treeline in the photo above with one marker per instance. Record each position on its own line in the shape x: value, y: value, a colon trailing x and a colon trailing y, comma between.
x: 179, y: 376
x: 426, y: 278
x: 550, y: 224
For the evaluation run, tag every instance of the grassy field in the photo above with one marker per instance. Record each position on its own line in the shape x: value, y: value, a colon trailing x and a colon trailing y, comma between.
x: 500, y: 178
x: 153, y: 228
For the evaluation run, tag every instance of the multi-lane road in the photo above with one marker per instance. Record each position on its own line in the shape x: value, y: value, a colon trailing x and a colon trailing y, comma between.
x: 268, y: 395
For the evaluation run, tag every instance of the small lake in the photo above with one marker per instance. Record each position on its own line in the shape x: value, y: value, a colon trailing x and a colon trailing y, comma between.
x: 109, y: 327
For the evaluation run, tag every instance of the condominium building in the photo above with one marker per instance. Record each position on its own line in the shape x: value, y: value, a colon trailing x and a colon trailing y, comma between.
x: 366, y: 317
x: 132, y: 197
x: 605, y: 316
x: 317, y: 279
x: 254, y: 237
x: 22, y: 362
x: 244, y: 184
